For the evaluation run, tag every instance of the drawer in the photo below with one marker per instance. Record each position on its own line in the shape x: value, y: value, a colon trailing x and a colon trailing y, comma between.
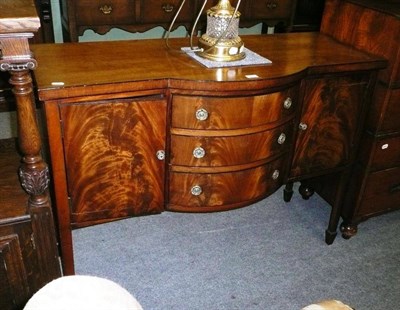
x: 226, y: 151
x: 105, y: 12
x: 382, y: 193
x: 155, y: 11
x: 385, y: 152
x: 196, y: 192
x: 196, y: 112
x: 272, y: 9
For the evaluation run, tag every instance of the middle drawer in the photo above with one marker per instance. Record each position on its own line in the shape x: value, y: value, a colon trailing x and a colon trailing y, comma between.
x: 219, y: 151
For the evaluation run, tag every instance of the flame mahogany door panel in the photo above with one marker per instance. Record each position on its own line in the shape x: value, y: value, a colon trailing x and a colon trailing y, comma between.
x: 110, y: 151
x: 329, y: 123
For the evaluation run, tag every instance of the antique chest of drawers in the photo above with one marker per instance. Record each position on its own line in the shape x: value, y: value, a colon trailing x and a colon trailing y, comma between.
x: 373, y: 26
x: 142, y: 15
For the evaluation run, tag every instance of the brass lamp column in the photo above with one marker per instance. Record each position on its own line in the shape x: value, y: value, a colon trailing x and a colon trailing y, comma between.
x: 221, y: 42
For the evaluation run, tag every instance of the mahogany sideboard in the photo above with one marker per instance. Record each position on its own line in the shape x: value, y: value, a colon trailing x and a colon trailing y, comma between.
x: 28, y: 245
x: 142, y: 15
x: 135, y: 128
x: 373, y: 26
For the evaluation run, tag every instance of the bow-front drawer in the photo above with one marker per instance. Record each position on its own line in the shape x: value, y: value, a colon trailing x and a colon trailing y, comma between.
x: 105, y: 12
x: 205, y: 192
x: 224, y: 150
x: 196, y: 112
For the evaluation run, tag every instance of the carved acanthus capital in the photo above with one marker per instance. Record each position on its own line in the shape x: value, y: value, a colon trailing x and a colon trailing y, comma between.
x: 34, y: 182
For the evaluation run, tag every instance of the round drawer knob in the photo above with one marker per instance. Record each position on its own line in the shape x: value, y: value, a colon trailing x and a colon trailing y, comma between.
x: 199, y: 152
x: 287, y: 104
x: 303, y: 126
x: 160, y: 155
x: 201, y: 114
x: 275, y: 174
x: 282, y: 138
x: 196, y: 190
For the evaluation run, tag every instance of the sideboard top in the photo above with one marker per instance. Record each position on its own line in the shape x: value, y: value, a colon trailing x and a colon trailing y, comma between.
x: 18, y: 16
x: 70, y: 69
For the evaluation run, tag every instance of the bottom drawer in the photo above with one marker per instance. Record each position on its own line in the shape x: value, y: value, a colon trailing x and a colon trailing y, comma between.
x: 207, y: 192
x: 382, y: 193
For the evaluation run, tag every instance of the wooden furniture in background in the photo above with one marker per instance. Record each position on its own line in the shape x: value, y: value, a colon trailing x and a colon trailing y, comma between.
x: 135, y: 128
x: 44, y: 34
x: 308, y: 15
x: 141, y: 15
x: 28, y: 246
x: 373, y: 26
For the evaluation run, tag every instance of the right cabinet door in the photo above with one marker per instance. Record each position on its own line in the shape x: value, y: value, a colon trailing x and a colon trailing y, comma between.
x: 114, y: 157
x: 329, y: 124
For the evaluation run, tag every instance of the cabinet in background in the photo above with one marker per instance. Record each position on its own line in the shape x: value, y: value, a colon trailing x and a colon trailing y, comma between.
x: 372, y: 26
x: 142, y: 15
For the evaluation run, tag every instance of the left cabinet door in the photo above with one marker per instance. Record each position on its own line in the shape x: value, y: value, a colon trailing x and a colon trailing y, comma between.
x: 110, y: 151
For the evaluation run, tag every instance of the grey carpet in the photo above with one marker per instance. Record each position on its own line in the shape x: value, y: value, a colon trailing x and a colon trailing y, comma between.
x: 270, y: 255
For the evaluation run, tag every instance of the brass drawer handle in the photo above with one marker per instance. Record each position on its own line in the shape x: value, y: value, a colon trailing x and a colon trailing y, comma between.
x: 272, y: 5
x: 168, y: 8
x: 196, y: 190
x: 106, y: 9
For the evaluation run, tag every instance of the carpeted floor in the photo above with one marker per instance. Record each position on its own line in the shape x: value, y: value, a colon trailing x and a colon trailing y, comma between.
x: 268, y: 256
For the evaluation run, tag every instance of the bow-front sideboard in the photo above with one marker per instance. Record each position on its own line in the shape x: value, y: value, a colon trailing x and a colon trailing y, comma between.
x: 135, y: 128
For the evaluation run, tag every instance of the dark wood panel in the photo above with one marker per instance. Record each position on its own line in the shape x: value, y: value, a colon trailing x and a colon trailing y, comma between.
x: 331, y: 113
x: 365, y: 34
x: 110, y: 151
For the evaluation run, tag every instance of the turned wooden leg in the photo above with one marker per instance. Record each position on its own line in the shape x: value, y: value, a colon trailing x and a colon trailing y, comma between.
x: 306, y: 191
x: 288, y: 192
x: 348, y: 230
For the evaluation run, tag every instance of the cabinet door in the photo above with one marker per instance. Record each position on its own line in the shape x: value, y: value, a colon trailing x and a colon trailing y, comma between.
x: 329, y: 124
x: 111, y: 158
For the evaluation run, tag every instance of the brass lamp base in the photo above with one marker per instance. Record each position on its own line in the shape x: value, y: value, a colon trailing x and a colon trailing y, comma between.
x: 221, y: 50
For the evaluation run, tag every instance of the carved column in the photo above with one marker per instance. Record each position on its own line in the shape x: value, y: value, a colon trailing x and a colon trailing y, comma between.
x: 17, y: 59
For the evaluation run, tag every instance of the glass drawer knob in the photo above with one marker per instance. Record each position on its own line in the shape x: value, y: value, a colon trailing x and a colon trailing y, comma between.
x: 303, y: 126
x: 199, y: 152
x: 201, y: 114
x: 282, y: 138
x: 287, y: 104
x: 196, y: 190
x: 275, y: 174
x: 160, y: 155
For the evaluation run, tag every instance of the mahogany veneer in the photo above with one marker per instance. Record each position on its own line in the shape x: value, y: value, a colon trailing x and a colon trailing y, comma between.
x: 135, y: 128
